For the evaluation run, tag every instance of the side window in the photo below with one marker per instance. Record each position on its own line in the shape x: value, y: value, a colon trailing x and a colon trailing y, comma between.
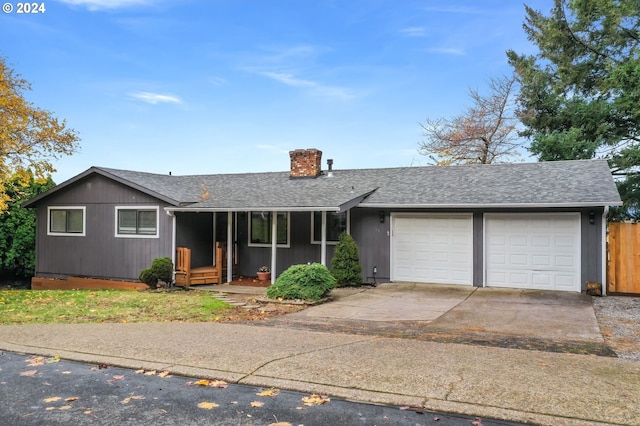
x: 337, y: 223
x: 66, y: 221
x: 137, y: 222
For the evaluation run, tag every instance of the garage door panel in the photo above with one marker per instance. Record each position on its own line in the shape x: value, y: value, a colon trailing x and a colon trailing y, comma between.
x: 540, y: 251
x: 432, y: 249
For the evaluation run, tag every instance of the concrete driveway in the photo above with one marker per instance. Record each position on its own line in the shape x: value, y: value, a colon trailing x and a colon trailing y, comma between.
x: 527, y: 319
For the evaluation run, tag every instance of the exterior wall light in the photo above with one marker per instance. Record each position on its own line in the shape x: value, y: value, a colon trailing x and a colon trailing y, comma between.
x: 381, y: 214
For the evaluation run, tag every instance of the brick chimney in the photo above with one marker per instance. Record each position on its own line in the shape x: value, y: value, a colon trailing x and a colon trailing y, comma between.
x: 305, y: 163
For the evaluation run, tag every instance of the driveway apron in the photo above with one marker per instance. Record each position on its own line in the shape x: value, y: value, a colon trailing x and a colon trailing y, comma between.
x: 525, y: 319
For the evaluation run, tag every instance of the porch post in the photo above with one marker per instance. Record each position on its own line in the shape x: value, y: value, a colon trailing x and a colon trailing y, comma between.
x: 274, y: 245
x: 173, y: 242
x: 323, y: 241
x: 229, y: 247
x: 213, y: 261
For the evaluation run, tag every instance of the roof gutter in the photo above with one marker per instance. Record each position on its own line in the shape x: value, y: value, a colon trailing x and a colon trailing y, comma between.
x: 252, y: 208
x: 482, y: 206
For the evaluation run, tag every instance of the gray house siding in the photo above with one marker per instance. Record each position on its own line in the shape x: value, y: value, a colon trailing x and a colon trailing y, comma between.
x: 300, y: 249
x: 372, y: 238
x: 99, y: 253
x: 195, y: 231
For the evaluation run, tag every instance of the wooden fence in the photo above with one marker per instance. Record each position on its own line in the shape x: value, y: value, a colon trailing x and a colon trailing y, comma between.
x: 623, y: 260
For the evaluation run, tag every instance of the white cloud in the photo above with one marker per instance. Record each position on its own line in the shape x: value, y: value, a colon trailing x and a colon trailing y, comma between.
x: 414, y: 31
x: 155, y: 98
x: 447, y: 51
x: 315, y: 88
x: 289, y: 79
x: 94, y: 5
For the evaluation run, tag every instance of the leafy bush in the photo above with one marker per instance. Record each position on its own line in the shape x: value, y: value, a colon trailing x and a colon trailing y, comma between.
x: 18, y: 226
x: 308, y: 282
x: 345, y: 265
x: 149, y: 278
x: 161, y: 269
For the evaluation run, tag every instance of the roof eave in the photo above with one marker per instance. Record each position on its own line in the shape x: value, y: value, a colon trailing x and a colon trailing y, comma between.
x: 254, y: 208
x: 490, y: 205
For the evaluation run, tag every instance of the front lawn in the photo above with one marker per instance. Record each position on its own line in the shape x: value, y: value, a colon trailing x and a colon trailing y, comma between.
x: 85, y: 306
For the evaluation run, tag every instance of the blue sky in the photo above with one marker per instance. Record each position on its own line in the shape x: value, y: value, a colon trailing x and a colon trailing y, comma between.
x: 224, y: 86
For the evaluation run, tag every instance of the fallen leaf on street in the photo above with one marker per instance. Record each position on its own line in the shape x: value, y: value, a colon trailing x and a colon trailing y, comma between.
x: 52, y: 399
x: 73, y: 398
x: 29, y: 373
x: 150, y: 373
x: 66, y: 372
x: 118, y: 378
x: 139, y: 371
x: 212, y: 383
x: 65, y: 407
x: 50, y: 408
x: 269, y: 392
x: 164, y: 374
x: 99, y: 367
x: 53, y: 359
x: 280, y: 424
x: 35, y: 361
x: 257, y: 404
x: 315, y: 399
x: 208, y: 405
x: 131, y: 398
x: 477, y: 422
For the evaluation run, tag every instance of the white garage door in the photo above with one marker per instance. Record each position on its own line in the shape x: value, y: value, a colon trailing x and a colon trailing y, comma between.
x: 536, y: 251
x: 432, y: 248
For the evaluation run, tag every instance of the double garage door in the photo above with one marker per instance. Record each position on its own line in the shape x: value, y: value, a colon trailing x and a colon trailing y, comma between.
x: 536, y: 251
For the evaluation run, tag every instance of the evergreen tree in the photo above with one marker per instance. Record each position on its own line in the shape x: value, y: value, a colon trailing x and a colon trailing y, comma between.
x: 345, y: 265
x: 579, y: 94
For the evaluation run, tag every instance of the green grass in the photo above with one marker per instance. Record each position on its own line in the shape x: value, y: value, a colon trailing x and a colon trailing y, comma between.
x: 85, y: 306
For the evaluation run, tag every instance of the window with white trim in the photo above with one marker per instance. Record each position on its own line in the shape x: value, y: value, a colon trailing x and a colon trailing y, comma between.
x: 260, y: 228
x: 66, y: 221
x: 337, y: 223
x: 137, y: 221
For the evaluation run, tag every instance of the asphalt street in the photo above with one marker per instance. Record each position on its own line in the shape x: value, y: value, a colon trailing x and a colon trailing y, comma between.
x: 52, y: 391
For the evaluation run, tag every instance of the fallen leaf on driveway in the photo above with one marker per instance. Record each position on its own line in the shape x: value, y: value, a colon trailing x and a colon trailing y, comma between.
x: 315, y: 399
x: 208, y: 405
x: 29, y: 373
x: 257, y: 404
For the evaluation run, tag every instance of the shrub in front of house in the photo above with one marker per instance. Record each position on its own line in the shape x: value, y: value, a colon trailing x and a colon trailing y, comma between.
x: 162, y: 267
x: 345, y: 265
x: 307, y: 282
x: 149, y: 278
x: 161, y: 270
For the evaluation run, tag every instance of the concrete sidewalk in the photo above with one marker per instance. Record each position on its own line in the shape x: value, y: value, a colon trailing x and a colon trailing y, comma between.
x: 520, y: 385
